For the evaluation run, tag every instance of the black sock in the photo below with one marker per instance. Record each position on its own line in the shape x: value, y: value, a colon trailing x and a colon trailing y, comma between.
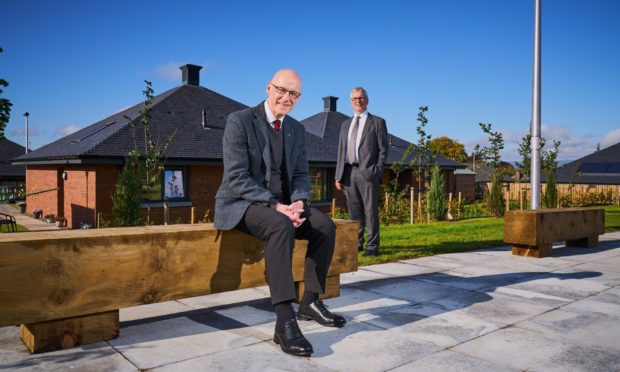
x: 284, y: 312
x: 308, y: 298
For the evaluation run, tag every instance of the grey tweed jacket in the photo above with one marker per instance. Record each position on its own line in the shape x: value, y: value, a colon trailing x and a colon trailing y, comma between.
x: 247, y: 159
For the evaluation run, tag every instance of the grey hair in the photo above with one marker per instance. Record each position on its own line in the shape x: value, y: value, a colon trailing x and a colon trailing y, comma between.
x: 360, y: 89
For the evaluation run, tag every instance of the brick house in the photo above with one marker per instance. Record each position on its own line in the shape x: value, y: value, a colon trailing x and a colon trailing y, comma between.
x: 74, y: 177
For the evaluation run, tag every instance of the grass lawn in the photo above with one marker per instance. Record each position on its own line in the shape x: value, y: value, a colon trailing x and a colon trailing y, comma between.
x: 612, y: 217
x: 400, y: 242
x: 4, y: 229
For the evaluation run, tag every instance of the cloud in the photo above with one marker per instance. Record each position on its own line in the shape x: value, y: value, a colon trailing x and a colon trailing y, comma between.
x: 32, y: 132
x: 611, y: 138
x: 169, y: 71
x: 61, y: 132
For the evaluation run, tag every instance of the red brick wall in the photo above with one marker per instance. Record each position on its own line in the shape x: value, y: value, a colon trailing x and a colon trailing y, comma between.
x: 39, y: 178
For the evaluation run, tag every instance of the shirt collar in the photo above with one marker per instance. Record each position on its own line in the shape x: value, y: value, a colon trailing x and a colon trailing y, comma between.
x: 270, y: 116
x: 363, y: 115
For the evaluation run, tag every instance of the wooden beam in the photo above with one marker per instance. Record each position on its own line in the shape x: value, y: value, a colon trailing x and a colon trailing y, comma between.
x: 67, y: 333
x: 532, y: 232
x: 60, y: 274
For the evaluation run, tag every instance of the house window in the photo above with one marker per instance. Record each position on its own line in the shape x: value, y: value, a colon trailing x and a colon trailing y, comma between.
x: 171, y: 184
x: 320, y: 185
x: 174, y: 184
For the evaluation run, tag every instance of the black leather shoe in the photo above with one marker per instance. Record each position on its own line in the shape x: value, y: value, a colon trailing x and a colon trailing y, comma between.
x: 318, y: 312
x: 370, y: 253
x: 291, y: 340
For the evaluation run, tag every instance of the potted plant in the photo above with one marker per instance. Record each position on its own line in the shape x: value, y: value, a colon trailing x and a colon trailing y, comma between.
x: 50, y: 218
x: 61, y: 222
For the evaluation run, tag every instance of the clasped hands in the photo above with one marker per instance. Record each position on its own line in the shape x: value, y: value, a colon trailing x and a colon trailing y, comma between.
x: 293, y: 212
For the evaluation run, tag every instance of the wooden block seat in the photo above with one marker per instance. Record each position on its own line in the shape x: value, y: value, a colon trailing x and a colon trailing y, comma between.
x: 532, y: 232
x: 65, y: 287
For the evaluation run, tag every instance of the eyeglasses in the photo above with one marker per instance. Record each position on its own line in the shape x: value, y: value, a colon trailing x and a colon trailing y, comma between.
x: 362, y: 98
x: 283, y: 91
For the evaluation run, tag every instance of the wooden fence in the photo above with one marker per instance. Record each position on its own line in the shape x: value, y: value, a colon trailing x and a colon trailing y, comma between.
x: 569, y: 192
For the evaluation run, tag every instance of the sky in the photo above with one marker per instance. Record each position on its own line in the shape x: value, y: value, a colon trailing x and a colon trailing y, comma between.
x: 73, y: 63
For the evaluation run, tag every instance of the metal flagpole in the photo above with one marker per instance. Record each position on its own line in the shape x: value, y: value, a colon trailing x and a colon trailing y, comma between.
x: 535, y: 143
x: 26, y: 116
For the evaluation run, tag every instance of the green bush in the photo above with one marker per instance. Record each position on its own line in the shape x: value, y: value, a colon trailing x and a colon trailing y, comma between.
x: 495, y: 201
x: 437, y: 203
x: 127, y: 195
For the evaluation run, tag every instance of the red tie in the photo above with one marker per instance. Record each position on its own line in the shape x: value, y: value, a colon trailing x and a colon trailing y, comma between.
x: 276, y: 125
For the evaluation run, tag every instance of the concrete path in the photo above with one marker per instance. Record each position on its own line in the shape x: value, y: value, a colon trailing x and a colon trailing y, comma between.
x: 28, y: 222
x: 479, y: 311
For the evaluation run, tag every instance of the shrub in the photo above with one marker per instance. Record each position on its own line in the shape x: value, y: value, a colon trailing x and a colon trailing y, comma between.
x: 437, y: 203
x: 495, y: 201
x: 127, y: 195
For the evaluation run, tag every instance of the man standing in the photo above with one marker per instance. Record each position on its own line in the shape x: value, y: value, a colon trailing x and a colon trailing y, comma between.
x: 362, y: 151
x: 265, y: 192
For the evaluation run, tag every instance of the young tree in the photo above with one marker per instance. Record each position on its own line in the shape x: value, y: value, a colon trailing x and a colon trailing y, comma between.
x: 5, y: 107
x: 491, y: 156
x: 422, y: 156
x: 525, y: 150
x: 437, y: 203
x: 127, y: 195
x: 550, y: 169
x: 145, y: 162
x: 153, y: 153
x: 449, y: 148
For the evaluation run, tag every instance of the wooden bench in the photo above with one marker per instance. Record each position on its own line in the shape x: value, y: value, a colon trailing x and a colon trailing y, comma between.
x: 65, y: 287
x: 532, y: 232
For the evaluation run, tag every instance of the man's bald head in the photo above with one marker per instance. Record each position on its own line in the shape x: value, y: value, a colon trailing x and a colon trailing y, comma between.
x: 283, y: 92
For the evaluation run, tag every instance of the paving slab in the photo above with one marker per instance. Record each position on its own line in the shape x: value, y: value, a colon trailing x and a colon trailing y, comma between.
x: 442, y: 328
x: 154, y: 344
x: 363, y: 347
x: 14, y: 356
x: 574, y: 285
x: 356, y: 303
x: 400, y: 269
x: 262, y: 356
x: 587, y: 321
x: 448, y: 360
x: 527, y: 350
x: 435, y: 262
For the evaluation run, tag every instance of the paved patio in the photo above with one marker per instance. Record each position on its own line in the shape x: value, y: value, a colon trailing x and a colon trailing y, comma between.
x: 479, y: 311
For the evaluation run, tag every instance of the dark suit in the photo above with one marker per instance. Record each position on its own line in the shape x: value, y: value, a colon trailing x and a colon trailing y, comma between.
x: 362, y: 181
x: 242, y: 200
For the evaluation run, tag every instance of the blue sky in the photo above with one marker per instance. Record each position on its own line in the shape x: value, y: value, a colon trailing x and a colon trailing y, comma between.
x: 71, y: 63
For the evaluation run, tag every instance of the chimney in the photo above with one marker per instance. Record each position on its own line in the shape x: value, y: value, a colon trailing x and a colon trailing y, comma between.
x: 191, y: 74
x: 329, y: 103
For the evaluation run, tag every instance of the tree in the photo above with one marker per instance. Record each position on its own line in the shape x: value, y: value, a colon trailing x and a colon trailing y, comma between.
x: 422, y: 156
x: 145, y: 162
x: 437, y: 203
x: 525, y: 150
x: 449, y: 148
x: 5, y: 107
x: 154, y: 153
x: 491, y: 156
x: 550, y: 169
x: 127, y: 195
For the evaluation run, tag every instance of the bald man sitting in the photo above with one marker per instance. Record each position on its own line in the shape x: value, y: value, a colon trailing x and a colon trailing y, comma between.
x: 265, y: 192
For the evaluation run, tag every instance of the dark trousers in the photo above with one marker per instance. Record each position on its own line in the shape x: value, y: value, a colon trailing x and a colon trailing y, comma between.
x: 363, y: 205
x: 279, y: 235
